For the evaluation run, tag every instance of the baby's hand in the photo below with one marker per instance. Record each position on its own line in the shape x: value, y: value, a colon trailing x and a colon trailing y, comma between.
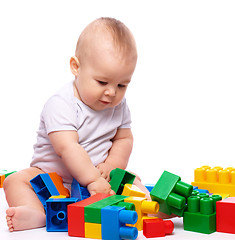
x: 105, y: 170
x: 100, y: 186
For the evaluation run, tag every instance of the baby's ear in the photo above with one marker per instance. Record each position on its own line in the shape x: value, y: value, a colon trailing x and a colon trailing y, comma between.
x: 74, y: 65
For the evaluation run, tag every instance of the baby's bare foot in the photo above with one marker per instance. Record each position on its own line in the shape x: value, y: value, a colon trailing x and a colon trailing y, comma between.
x: 24, y: 217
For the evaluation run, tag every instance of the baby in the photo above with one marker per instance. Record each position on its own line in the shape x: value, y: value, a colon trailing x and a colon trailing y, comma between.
x: 84, y: 130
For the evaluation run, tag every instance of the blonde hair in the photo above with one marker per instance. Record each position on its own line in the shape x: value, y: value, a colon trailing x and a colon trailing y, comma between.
x: 122, y: 38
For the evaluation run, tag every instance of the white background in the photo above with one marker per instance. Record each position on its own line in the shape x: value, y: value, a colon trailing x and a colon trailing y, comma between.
x: 181, y: 95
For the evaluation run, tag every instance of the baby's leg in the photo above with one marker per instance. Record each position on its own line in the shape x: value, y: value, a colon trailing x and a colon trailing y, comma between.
x: 140, y: 185
x: 25, y: 209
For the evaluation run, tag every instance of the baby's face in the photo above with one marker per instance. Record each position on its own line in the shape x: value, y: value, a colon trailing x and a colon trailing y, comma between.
x: 103, y: 77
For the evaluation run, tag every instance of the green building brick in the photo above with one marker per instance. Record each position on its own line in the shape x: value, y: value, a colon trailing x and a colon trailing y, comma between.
x: 6, y: 173
x: 119, y: 178
x: 93, y: 211
x: 171, y: 193
x: 200, y: 215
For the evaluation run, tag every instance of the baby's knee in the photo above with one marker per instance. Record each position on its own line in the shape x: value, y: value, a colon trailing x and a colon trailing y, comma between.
x: 21, y: 177
x: 11, y: 179
x: 15, y: 179
x: 7, y: 181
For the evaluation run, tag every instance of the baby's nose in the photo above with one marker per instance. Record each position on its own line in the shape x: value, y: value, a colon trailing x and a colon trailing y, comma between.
x: 110, y: 92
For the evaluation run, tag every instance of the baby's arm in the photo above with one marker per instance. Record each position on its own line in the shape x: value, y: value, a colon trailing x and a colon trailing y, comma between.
x: 119, y: 153
x: 77, y: 161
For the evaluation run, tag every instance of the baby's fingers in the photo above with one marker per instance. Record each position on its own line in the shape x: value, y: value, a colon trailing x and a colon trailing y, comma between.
x: 112, y: 192
x: 92, y: 192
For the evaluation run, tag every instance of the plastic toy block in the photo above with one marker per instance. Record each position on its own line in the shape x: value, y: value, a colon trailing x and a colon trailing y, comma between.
x: 58, y: 181
x: 126, y: 205
x: 171, y: 193
x: 93, y: 230
x: 215, y: 180
x: 93, y: 211
x: 132, y: 190
x: 225, y: 213
x: 6, y: 173
x: 200, y: 215
x: 56, y: 214
x: 200, y: 190
x: 157, y: 227
x: 224, y: 196
x: 119, y: 178
x: 44, y: 187
x: 149, y: 187
x: 148, y: 217
x: 76, y: 213
x: 78, y: 191
x: 114, y: 220
x: 59, y: 196
x: 142, y: 207
x: 2, y: 178
x: 48, y: 184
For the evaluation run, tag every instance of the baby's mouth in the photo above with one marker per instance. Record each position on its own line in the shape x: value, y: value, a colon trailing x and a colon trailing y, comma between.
x: 105, y: 102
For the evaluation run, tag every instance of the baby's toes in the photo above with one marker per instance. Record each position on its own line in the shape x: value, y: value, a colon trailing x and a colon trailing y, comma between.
x: 10, y: 226
x: 9, y: 222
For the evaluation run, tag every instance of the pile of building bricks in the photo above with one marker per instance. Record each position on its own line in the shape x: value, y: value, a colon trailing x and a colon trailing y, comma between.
x: 121, y: 216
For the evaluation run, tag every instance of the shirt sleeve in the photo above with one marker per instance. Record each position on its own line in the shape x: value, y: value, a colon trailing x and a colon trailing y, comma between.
x: 126, y: 119
x: 59, y: 115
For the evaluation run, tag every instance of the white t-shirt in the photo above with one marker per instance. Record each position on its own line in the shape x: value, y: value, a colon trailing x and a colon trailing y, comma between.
x: 63, y: 111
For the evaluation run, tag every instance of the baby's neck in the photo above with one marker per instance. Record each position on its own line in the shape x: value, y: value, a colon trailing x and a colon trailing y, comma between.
x: 75, y: 91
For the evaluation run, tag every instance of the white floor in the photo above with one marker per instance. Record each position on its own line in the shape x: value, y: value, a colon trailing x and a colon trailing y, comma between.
x: 41, y: 233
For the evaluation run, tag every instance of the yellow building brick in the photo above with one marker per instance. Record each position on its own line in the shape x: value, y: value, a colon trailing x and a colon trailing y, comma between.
x: 215, y: 180
x: 93, y: 230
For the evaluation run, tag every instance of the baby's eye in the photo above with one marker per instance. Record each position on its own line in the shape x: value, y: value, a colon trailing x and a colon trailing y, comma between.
x: 121, y: 85
x: 101, y: 82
